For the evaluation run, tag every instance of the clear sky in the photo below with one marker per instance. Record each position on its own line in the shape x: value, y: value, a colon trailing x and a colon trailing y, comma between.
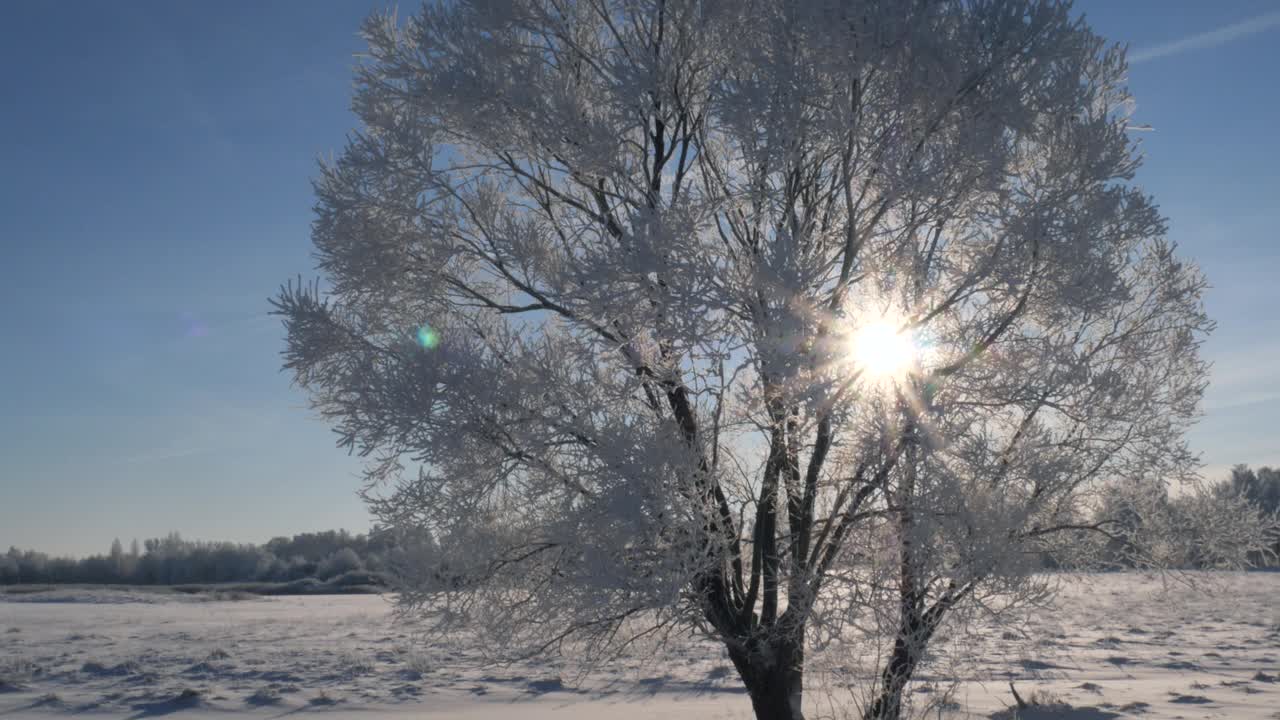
x: 154, y: 192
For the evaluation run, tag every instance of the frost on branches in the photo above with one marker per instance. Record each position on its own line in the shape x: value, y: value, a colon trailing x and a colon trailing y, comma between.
x: 784, y: 322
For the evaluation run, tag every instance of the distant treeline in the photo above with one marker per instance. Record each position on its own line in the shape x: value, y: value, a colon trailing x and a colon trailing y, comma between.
x: 1261, y: 488
x: 337, y: 558
x: 1149, y: 526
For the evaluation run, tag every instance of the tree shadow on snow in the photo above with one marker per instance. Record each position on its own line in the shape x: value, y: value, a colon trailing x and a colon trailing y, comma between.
x: 185, y: 700
x: 48, y: 701
x: 1054, y: 712
x: 666, y: 685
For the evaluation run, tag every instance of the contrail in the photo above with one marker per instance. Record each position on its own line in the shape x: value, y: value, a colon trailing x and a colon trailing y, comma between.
x: 1212, y: 38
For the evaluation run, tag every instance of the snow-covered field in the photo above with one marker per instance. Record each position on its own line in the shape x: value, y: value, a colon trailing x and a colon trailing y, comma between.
x: 1117, y: 646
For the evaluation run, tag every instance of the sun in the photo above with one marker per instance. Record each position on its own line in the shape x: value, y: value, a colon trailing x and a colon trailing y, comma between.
x: 882, y: 351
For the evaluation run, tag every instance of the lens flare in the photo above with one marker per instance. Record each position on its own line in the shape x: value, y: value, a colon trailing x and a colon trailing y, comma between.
x: 882, y: 352
x: 428, y: 338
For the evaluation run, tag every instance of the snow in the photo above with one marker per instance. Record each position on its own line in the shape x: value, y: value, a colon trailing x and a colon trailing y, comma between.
x: 1119, y: 645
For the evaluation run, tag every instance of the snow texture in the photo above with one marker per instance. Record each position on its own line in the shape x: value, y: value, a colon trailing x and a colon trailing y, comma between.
x: 1116, y: 645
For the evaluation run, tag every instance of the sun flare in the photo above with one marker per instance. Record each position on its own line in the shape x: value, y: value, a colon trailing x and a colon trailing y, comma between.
x: 882, y: 352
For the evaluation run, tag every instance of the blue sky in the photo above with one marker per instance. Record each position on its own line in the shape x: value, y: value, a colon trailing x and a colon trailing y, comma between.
x: 155, y: 192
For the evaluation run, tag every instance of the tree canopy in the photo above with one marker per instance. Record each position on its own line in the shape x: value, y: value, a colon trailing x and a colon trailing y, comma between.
x: 767, y: 319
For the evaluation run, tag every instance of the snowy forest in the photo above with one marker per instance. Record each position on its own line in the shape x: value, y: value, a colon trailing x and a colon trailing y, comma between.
x: 307, y: 562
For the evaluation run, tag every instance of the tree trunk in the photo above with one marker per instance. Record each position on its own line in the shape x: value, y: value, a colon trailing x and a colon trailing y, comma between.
x: 775, y: 681
x: 914, y: 632
x: 888, y: 703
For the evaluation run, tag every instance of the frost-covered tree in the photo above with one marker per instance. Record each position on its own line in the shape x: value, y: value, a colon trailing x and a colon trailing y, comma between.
x: 342, y: 561
x: 9, y: 572
x: 1261, y: 487
x: 119, y: 563
x: 790, y: 323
